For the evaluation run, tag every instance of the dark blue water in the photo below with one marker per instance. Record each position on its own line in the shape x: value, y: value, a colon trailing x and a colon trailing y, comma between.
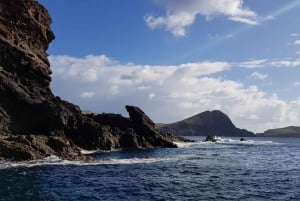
x: 261, y: 169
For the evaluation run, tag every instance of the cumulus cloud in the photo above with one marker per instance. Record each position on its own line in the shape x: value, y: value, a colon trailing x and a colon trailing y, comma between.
x: 259, y: 76
x: 181, y: 14
x: 168, y: 93
x: 72, y: 67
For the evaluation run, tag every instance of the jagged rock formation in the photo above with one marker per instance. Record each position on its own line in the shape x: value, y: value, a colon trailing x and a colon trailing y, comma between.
x: 207, y: 123
x: 30, y: 113
x: 210, y: 138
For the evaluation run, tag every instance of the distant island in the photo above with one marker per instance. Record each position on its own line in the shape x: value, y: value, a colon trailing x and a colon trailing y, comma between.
x: 291, y: 131
x: 206, y: 123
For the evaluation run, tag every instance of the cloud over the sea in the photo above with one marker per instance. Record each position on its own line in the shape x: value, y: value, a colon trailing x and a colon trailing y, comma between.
x: 182, y: 14
x: 169, y: 93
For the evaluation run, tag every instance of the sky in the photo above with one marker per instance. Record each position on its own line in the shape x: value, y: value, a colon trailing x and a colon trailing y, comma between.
x: 178, y: 58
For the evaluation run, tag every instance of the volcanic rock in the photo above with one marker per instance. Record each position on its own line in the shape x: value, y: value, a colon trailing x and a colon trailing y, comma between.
x: 210, y: 138
x: 29, y: 147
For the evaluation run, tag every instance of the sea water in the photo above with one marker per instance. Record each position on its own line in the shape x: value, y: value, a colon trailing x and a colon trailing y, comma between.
x: 256, y: 169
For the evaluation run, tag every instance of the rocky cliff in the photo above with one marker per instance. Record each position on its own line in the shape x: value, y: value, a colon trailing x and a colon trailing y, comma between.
x: 206, y: 123
x: 31, y: 116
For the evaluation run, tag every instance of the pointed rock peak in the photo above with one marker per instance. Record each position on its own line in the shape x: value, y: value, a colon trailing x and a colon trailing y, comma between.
x: 137, y: 116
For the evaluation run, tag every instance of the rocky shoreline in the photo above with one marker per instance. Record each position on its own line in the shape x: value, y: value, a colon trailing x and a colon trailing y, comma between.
x: 120, y: 133
x: 34, y: 123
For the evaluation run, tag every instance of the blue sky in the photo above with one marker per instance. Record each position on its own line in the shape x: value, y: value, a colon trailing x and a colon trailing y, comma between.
x: 176, y: 58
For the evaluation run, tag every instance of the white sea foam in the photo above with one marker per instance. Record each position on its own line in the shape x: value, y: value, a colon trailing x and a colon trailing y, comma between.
x: 86, y: 152
x: 186, y: 144
x: 51, y: 160
x: 245, y: 142
x: 54, y: 160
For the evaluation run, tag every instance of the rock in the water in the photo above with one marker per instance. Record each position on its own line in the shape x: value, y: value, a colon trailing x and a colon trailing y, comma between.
x: 211, y: 138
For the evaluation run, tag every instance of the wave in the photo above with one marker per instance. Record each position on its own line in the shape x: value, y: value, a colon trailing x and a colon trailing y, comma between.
x: 91, y: 152
x: 241, y: 142
x: 186, y: 144
x: 88, y: 152
x: 54, y: 160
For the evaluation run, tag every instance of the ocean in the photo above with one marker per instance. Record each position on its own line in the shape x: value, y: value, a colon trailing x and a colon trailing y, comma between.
x: 257, y: 169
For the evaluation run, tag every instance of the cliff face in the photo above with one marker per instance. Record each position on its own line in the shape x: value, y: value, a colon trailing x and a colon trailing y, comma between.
x: 207, y: 123
x: 24, y: 67
x: 27, y: 105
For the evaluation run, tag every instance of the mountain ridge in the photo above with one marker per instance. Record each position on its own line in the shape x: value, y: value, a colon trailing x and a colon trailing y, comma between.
x: 206, y: 123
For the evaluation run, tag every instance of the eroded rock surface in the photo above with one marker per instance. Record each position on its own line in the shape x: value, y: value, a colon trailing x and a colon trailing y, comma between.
x: 30, y: 147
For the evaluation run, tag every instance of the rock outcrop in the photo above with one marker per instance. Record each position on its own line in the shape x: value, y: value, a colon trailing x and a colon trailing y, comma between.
x: 206, y: 123
x: 26, y: 147
x: 210, y: 138
x: 31, y: 117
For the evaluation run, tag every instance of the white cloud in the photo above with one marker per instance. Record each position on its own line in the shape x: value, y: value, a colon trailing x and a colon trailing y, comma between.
x: 286, y: 63
x: 295, y: 34
x: 296, y: 84
x: 229, y: 36
x: 168, y: 93
x: 181, y: 14
x: 175, y: 23
x: 72, y: 67
x: 297, y: 52
x: 88, y: 94
x: 253, y: 63
x: 151, y: 96
x: 259, y: 76
x: 297, y: 42
x: 269, y: 17
x: 243, y: 20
